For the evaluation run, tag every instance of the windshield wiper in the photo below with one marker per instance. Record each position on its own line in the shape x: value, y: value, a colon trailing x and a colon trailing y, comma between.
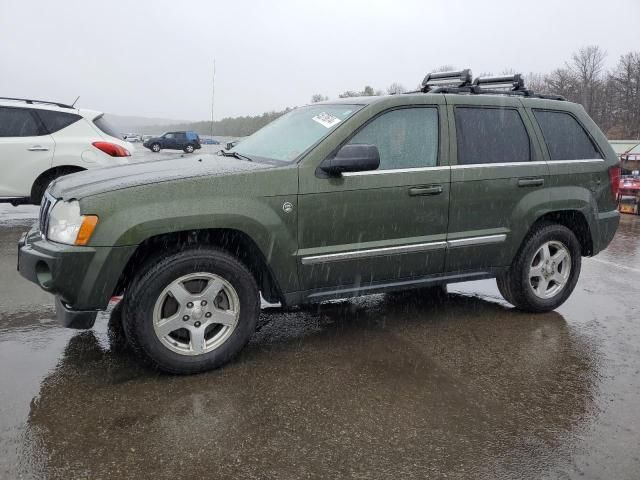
x: 239, y: 156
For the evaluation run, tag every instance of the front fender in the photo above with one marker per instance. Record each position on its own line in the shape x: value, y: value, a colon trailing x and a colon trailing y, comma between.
x: 131, y: 216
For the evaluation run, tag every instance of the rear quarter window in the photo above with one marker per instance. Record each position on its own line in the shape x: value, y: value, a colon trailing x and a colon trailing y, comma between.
x: 105, y: 127
x: 491, y: 135
x: 566, y: 139
x: 56, y: 121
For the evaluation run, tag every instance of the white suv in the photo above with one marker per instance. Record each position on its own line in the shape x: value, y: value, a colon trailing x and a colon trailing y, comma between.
x: 41, y: 141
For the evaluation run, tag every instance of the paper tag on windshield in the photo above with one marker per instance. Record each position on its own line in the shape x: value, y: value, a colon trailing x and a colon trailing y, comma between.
x: 326, y: 120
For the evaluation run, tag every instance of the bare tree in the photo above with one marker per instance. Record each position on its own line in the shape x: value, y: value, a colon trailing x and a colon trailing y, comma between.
x: 349, y: 93
x: 318, y: 97
x: 587, y: 66
x: 624, y: 90
x: 444, y: 68
x: 395, y: 88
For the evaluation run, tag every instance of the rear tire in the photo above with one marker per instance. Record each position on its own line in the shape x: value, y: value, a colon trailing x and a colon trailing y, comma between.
x: 165, y: 323
x: 545, y: 270
x: 189, y: 149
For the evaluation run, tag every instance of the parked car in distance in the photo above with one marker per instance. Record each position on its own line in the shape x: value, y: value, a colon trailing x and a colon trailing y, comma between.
x: 187, y: 141
x: 209, y: 141
x: 336, y: 199
x: 132, y: 137
x: 41, y: 141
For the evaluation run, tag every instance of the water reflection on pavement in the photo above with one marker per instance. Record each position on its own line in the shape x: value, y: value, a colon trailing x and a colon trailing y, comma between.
x: 387, y: 386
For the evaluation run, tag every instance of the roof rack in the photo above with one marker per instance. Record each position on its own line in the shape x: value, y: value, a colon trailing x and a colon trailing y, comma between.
x: 31, y: 102
x: 460, y: 82
x: 456, y: 79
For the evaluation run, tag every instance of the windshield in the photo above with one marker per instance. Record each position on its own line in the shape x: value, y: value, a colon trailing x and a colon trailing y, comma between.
x: 286, y: 138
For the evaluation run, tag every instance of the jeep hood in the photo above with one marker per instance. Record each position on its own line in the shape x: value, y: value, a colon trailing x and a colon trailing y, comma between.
x: 101, y: 180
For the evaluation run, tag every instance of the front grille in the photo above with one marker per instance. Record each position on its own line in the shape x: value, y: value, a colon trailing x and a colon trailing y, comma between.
x: 45, y: 208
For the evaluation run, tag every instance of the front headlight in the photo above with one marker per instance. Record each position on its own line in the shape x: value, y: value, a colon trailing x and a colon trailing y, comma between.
x: 67, y: 226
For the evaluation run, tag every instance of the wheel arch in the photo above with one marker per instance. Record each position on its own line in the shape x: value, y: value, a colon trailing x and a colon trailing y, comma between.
x: 574, y: 220
x: 51, y: 173
x: 237, y: 243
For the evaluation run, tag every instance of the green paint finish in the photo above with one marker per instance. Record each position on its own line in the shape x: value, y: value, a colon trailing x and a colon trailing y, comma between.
x: 368, y: 211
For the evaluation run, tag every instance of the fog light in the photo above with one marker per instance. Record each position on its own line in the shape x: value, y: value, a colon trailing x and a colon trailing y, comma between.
x: 43, y: 273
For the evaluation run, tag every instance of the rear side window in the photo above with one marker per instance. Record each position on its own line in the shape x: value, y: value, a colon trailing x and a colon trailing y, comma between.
x: 491, y: 135
x: 406, y: 138
x: 105, y: 127
x: 18, y: 122
x: 566, y: 139
x: 55, y: 121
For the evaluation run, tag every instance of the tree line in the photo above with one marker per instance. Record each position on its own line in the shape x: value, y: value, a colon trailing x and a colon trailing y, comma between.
x: 610, y: 96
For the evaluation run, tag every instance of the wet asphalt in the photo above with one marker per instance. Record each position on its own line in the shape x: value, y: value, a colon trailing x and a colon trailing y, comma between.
x: 386, y: 386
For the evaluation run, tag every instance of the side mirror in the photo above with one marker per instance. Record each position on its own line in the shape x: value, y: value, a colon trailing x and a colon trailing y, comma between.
x: 352, y: 158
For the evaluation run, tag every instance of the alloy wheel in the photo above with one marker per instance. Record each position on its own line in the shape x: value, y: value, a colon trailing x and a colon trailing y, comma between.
x: 550, y: 269
x: 196, y: 313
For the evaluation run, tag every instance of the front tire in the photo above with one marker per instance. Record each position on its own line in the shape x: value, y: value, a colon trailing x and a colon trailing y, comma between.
x: 545, y: 270
x: 191, y: 311
x: 155, y: 147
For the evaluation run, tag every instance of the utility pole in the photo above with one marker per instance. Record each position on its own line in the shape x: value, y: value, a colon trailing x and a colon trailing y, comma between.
x: 213, y: 93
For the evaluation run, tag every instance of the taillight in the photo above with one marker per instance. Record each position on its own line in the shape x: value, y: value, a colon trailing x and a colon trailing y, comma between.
x: 614, y: 181
x: 112, y: 149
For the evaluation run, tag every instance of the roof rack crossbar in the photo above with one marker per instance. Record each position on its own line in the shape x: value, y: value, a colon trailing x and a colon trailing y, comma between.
x: 32, y: 101
x: 512, y: 82
x: 457, y: 78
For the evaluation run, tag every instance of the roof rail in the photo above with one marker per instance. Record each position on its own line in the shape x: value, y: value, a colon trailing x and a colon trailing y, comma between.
x: 460, y: 82
x: 32, y: 101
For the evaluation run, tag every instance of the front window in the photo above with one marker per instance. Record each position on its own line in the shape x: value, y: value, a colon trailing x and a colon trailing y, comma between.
x: 286, y: 138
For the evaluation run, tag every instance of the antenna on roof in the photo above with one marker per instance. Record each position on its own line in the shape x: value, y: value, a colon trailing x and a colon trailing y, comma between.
x: 74, y: 102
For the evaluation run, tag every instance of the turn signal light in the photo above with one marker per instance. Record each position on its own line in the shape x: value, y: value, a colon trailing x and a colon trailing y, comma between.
x: 112, y: 149
x: 86, y: 229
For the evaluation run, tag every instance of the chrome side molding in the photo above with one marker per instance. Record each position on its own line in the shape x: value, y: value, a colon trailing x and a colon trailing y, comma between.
x: 484, y: 240
x: 373, y: 252
x: 416, y: 247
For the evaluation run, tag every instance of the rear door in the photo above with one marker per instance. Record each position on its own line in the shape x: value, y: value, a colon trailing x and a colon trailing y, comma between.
x: 25, y: 151
x: 385, y: 225
x: 181, y: 140
x: 574, y: 157
x: 498, y: 171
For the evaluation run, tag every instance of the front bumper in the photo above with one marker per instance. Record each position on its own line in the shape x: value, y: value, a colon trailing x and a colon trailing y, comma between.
x: 83, y: 279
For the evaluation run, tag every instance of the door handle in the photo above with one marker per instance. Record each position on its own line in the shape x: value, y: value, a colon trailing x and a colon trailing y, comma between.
x: 426, y: 190
x: 530, y: 182
x: 38, y: 148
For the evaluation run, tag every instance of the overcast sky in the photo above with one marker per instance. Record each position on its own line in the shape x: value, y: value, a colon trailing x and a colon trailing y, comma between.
x: 155, y: 58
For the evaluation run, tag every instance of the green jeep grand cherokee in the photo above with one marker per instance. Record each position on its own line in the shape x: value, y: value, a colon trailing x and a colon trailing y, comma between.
x: 459, y: 181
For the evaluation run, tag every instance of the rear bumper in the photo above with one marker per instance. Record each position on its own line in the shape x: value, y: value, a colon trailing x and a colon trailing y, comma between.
x: 607, y: 226
x: 83, y: 279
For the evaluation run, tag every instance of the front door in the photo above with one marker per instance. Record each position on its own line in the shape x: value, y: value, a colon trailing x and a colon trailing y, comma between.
x: 25, y: 151
x: 497, y: 172
x: 387, y: 225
